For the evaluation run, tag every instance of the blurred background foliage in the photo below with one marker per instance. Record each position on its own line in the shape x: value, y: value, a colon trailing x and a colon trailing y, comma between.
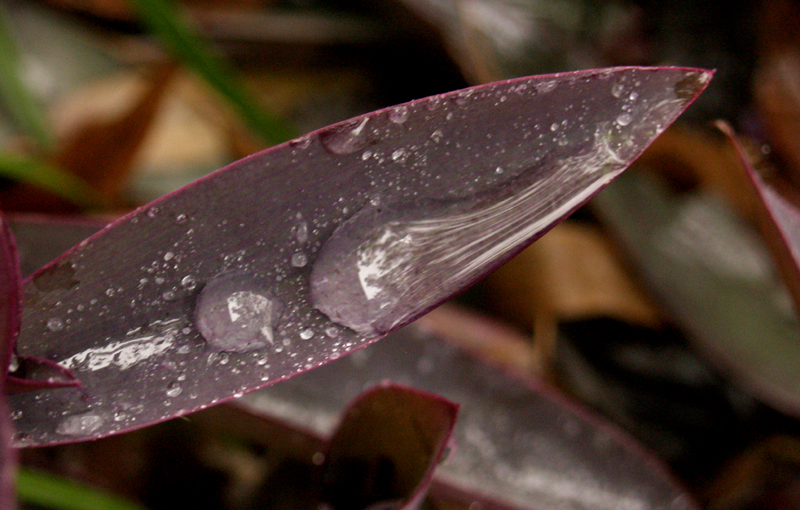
x: 107, y: 104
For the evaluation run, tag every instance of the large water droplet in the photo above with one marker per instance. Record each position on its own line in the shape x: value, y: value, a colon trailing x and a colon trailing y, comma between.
x: 346, y: 138
x: 387, y: 264
x: 624, y: 119
x: 234, y: 313
x: 299, y: 259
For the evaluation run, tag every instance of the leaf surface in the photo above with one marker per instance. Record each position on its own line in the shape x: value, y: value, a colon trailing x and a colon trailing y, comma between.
x: 518, y: 443
x: 302, y: 253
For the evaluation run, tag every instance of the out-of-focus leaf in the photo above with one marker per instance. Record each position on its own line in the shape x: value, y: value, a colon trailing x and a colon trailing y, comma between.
x: 385, y: 449
x: 48, y: 177
x: 164, y: 20
x: 717, y: 278
x: 313, y: 249
x: 49, y: 491
x: 518, y: 444
x: 779, y: 221
x: 14, y: 94
x: 102, y: 153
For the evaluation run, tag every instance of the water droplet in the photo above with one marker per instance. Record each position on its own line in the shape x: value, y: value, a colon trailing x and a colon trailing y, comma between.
x: 554, y: 126
x: 437, y: 136
x: 306, y: 334
x: 262, y: 360
x: 389, y: 262
x: 80, y: 425
x: 159, y: 280
x: 110, y: 292
x: 398, y: 114
x: 55, y: 324
x: 16, y: 414
x: 346, y: 138
x: 399, y: 155
x: 366, y: 155
x: 174, y: 389
x: 120, y: 416
x: 152, y: 212
x: 299, y: 259
x: 235, y: 313
x: 463, y: 96
x: 332, y: 332
x: 301, y: 232
x: 546, y: 86
x: 168, y: 295
x: 617, y: 89
x: 181, y: 218
x: 223, y: 358
x: 634, y: 96
x: 498, y: 170
x: 434, y: 102
x: 624, y: 119
x: 168, y: 256
x: 188, y: 282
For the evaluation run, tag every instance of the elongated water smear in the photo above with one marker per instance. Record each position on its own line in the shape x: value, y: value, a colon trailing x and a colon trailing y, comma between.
x: 385, y: 265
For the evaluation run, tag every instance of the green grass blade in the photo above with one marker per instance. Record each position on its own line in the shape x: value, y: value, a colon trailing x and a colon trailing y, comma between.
x: 49, y: 491
x: 41, y: 174
x: 25, y: 111
x: 164, y: 20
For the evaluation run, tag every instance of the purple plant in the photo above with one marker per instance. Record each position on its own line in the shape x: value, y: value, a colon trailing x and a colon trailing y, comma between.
x: 300, y: 254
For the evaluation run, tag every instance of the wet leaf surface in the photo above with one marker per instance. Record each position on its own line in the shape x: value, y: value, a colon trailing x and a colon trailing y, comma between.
x: 518, y: 444
x: 322, y: 245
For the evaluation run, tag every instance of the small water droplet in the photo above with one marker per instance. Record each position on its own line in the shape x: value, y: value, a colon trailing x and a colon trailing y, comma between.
x: 299, y: 259
x: 235, y: 313
x: 554, y: 126
x: 346, y: 138
x: 168, y: 295
x: 301, y: 232
x: 159, y: 280
x: 262, y: 360
x: 399, y: 155
x: 306, y: 334
x: 545, y: 86
x: 398, y: 114
x: 433, y: 103
x: 181, y: 218
x: 437, y: 136
x: 174, y: 389
x: 188, y: 282
x: 366, y: 155
x: 55, y: 324
x: 120, y: 416
x: 624, y: 119
x: 168, y: 256
x: 110, y: 292
x: 634, y: 96
x: 16, y: 414
x: 184, y: 349
x: 498, y: 170
x: 80, y: 424
x: 223, y: 358
x: 152, y: 212
x: 617, y: 89
x: 332, y: 332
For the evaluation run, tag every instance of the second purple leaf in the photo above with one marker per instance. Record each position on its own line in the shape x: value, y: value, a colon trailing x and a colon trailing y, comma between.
x: 302, y: 253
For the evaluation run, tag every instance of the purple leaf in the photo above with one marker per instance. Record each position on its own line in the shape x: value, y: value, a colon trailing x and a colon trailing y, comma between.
x: 320, y: 246
x: 10, y: 293
x: 31, y: 374
x: 385, y: 449
x: 780, y: 220
x: 10, y: 296
x: 518, y: 443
